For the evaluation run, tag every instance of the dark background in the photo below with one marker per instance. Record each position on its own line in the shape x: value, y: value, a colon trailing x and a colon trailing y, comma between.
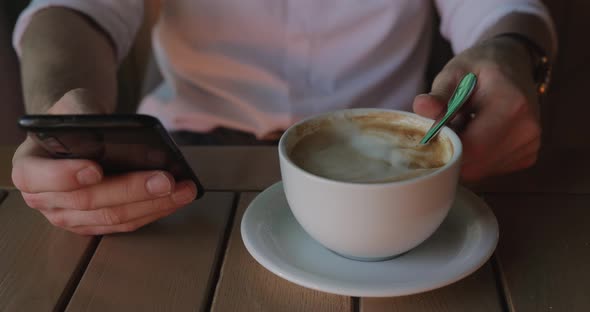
x: 564, y: 112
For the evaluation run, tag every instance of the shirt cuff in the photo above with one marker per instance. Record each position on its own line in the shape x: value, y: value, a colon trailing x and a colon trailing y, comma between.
x: 119, y: 19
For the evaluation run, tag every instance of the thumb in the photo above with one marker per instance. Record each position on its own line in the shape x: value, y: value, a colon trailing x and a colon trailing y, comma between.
x: 433, y: 104
x: 428, y: 106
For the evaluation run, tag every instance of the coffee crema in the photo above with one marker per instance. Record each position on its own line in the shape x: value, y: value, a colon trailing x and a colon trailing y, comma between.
x: 369, y: 148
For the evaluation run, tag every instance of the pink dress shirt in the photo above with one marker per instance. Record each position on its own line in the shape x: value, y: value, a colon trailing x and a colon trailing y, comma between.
x: 260, y: 65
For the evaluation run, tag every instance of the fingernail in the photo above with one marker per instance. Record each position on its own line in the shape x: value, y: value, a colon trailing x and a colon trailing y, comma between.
x: 88, y: 176
x: 158, y: 184
x: 185, y: 194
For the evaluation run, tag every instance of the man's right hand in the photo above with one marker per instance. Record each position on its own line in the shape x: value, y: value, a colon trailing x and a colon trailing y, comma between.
x: 75, y: 195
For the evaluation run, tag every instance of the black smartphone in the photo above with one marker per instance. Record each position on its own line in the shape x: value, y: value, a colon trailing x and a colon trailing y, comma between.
x: 119, y: 143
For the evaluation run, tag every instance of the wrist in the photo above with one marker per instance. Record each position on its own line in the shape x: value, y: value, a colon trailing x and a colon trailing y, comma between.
x: 538, y: 58
x: 62, y: 52
x: 74, y: 101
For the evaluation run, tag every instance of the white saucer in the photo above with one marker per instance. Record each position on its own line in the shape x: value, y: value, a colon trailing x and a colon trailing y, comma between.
x: 462, y: 244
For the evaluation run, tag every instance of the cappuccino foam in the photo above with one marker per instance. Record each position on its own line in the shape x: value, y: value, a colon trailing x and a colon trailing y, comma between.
x: 369, y: 149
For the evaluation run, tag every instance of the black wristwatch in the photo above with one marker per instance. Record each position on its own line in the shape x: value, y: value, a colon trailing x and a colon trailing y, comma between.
x: 540, y: 61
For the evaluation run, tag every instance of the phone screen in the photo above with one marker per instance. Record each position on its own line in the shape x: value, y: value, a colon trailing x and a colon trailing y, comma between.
x: 117, y: 150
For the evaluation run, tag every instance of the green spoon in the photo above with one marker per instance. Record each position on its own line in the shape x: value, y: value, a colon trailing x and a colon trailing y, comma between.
x: 459, y: 97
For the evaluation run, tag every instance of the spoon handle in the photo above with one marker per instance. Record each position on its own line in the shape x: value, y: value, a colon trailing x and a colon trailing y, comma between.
x: 459, y: 97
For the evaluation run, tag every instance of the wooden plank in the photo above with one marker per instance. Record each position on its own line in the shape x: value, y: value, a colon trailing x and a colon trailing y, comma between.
x: 238, y: 168
x: 169, y: 265
x: 39, y: 263
x: 544, y: 250
x: 244, y: 285
x: 476, y: 292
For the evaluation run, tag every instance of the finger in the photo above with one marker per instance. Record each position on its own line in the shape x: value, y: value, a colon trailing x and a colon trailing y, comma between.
x: 28, y: 148
x: 113, y: 191
x: 496, y: 115
x: 433, y: 104
x: 35, y: 174
x: 428, y: 106
x: 524, y: 139
x: 521, y: 158
x: 122, y: 214
x: 460, y: 121
x: 121, y: 228
x: 446, y: 81
x: 520, y: 164
x: 516, y: 160
x: 520, y: 134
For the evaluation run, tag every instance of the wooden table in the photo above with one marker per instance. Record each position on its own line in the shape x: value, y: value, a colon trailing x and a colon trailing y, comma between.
x: 195, y: 259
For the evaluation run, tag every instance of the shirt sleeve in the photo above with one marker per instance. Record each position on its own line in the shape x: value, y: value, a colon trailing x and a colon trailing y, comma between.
x: 463, y: 22
x: 119, y: 19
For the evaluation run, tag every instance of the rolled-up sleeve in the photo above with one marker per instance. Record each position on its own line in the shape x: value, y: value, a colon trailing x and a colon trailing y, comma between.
x: 119, y: 19
x: 463, y: 22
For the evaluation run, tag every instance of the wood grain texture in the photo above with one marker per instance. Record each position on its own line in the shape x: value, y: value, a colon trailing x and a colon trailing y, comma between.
x: 237, y: 168
x: 476, y: 292
x: 544, y: 251
x: 39, y: 263
x: 244, y: 285
x: 169, y: 265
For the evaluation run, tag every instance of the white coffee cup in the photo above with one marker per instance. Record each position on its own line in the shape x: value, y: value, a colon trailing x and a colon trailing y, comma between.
x: 368, y: 221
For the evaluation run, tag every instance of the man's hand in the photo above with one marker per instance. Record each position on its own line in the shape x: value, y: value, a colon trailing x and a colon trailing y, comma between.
x: 75, y: 195
x: 503, y: 133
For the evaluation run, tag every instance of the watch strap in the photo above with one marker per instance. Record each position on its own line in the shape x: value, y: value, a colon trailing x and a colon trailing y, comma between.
x: 541, y: 63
